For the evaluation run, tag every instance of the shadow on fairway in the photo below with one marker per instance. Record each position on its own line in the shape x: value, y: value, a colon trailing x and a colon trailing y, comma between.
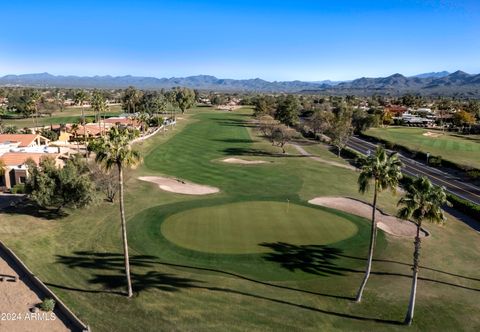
x: 258, y: 152
x: 314, y: 259
x: 29, y: 208
x: 234, y: 122
x: 421, y: 268
x: 320, y: 260
x: 301, y: 306
x: 114, y: 279
x: 234, y: 140
x: 264, y: 283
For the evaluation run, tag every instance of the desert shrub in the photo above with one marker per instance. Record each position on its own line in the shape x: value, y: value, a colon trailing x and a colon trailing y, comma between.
x: 50, y: 134
x: 47, y: 304
x: 473, y: 174
x: 435, y: 161
x: 18, y: 189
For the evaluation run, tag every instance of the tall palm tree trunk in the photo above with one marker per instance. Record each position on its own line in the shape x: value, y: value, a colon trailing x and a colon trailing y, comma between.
x: 84, y: 131
x: 124, y: 232
x: 413, y: 292
x: 373, y: 234
x: 36, y: 118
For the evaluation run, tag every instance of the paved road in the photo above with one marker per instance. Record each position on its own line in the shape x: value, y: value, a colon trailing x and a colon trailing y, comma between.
x: 411, y: 167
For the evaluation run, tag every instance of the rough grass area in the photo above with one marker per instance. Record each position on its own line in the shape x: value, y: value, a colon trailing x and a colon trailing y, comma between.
x: 304, y: 286
x: 457, y: 149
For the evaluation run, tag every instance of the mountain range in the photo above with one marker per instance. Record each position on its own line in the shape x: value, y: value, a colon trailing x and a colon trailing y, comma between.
x: 459, y: 84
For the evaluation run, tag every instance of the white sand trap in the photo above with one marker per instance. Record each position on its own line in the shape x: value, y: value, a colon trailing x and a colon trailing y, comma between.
x: 243, y: 161
x: 385, y: 222
x: 180, y: 186
x: 430, y: 134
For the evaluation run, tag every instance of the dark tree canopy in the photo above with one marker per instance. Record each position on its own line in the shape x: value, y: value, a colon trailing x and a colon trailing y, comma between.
x: 53, y: 187
x: 184, y: 98
x: 287, y: 110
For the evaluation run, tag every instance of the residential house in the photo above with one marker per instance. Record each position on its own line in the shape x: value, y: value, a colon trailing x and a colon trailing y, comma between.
x: 16, y: 150
x: 395, y: 110
x: 124, y: 121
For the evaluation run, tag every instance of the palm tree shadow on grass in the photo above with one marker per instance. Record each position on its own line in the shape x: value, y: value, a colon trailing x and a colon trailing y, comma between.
x: 114, y: 278
x: 421, y: 267
x: 260, y: 282
x: 320, y: 260
x: 313, y: 259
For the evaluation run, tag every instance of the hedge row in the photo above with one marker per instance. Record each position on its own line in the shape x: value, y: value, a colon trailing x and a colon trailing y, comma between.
x: 464, y: 206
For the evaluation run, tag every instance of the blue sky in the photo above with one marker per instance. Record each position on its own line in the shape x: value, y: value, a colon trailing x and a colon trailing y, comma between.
x: 275, y: 40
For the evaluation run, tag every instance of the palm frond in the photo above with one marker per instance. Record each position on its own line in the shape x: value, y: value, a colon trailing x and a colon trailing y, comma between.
x: 423, y: 201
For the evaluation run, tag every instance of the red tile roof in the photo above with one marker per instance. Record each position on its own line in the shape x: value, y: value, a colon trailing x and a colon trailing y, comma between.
x: 23, y: 139
x: 20, y: 158
x: 124, y: 121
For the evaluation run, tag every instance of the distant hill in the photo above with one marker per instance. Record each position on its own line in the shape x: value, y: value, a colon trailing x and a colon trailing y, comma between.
x: 459, y: 84
x: 438, y: 74
x: 202, y: 82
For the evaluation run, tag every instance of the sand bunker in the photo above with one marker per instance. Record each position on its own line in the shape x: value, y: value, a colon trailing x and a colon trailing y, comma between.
x: 430, y: 134
x: 387, y: 223
x: 180, y: 186
x: 243, y: 161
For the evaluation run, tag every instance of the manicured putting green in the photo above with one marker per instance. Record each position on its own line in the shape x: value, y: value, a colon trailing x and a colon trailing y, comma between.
x: 240, y: 228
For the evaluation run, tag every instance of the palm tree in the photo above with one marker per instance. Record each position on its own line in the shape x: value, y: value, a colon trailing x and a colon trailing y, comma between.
x: 115, y: 150
x: 143, y: 118
x: 3, y: 167
x: 79, y: 98
x: 422, y: 201
x: 385, y: 172
x: 3, y: 170
x: 74, y: 129
x: 131, y: 98
x: 99, y: 106
x: 32, y: 104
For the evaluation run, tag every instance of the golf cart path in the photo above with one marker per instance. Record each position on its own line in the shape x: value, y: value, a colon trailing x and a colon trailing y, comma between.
x: 333, y: 163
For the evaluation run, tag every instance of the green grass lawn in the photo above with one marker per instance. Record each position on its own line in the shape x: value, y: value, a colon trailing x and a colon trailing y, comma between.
x: 460, y: 150
x: 243, y: 227
x: 298, y: 275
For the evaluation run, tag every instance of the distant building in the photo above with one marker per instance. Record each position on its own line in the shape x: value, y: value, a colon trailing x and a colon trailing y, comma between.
x: 411, y: 119
x: 395, y: 110
x: 15, y: 152
x: 23, y: 140
x: 123, y: 121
